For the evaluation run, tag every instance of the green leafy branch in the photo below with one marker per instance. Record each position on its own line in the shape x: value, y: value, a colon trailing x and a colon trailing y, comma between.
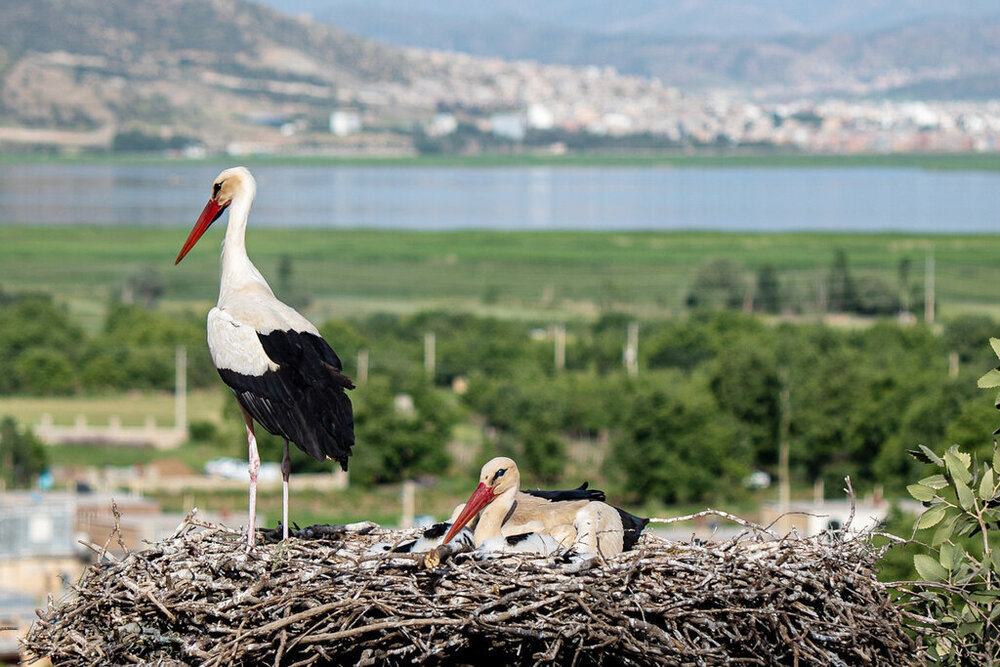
x: 991, y: 380
x: 958, y: 599
x: 961, y: 569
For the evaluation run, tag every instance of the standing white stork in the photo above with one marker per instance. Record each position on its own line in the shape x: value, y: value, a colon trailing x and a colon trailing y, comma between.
x: 587, y: 526
x: 282, y: 372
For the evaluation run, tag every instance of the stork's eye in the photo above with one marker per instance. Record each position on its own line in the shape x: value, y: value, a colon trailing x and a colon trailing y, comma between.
x: 216, y: 188
x: 499, y: 474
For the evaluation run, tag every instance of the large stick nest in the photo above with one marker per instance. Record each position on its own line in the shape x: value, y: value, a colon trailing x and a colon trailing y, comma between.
x: 323, y: 598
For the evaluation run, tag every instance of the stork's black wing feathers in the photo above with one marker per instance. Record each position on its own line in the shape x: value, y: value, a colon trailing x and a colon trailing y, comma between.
x: 579, y: 493
x: 437, y: 530
x: 633, y: 526
x: 303, y: 400
x: 296, y: 347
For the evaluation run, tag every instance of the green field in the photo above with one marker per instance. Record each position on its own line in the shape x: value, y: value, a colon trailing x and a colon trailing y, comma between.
x: 533, y: 275
x: 132, y: 409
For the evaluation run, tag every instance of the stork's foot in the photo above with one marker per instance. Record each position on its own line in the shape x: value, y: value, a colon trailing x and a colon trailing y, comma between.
x: 251, y: 536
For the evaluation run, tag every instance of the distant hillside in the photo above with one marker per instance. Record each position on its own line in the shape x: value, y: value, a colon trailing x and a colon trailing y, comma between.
x: 197, y: 67
x: 214, y: 76
x: 234, y: 76
x: 784, y: 47
x: 942, y: 57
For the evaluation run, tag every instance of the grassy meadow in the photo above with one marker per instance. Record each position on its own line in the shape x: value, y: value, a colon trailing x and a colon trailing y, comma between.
x: 131, y: 408
x: 531, y: 275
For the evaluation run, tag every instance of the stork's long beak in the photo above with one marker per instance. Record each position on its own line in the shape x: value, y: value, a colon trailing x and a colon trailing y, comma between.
x: 480, y: 498
x: 209, y: 214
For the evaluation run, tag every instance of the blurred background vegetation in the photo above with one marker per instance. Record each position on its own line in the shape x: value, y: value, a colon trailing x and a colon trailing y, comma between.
x: 697, y: 414
x: 531, y: 335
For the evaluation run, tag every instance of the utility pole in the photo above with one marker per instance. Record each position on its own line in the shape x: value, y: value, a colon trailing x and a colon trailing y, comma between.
x: 784, y: 422
x: 929, y: 286
x: 631, y: 354
x: 821, y: 295
x: 429, y: 361
x: 362, y: 365
x: 559, y: 340
x: 180, y: 388
x: 409, y: 498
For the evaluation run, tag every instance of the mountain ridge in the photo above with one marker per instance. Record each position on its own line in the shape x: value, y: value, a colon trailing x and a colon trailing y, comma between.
x: 914, y: 48
x: 84, y: 64
x: 233, y: 76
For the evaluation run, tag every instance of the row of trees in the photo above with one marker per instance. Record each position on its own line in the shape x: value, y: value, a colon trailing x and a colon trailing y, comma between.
x: 704, y: 409
x: 706, y: 406
x: 44, y: 351
x: 725, y: 284
x: 22, y: 456
x: 47, y: 353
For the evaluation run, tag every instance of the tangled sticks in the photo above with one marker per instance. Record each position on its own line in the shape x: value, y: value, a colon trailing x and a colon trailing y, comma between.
x: 199, y: 598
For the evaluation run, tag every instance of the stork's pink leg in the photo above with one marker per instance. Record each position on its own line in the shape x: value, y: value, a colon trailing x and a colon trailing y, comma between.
x: 286, y: 470
x: 253, y: 467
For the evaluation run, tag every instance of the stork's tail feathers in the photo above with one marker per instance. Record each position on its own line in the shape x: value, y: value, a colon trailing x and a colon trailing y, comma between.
x: 579, y: 493
x: 632, y: 527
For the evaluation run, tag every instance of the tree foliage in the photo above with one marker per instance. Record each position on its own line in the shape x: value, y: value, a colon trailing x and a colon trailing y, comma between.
x: 33, y: 328
x: 768, y: 296
x: 707, y: 400
x: 957, y: 599
x: 405, y: 431
x: 22, y: 456
x: 842, y: 293
x: 718, y: 284
x: 676, y: 445
x: 960, y: 567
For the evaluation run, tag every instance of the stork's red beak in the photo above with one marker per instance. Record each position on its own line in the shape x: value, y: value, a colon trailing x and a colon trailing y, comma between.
x: 481, y: 497
x: 209, y: 214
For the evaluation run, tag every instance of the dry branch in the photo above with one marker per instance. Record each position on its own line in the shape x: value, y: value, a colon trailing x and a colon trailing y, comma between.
x: 199, y: 598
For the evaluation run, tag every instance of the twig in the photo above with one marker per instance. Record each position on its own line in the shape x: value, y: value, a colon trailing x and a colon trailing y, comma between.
x: 710, y: 512
x: 441, y: 553
x: 199, y: 597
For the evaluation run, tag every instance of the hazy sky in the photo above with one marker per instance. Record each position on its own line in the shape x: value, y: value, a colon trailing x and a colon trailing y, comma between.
x: 664, y: 17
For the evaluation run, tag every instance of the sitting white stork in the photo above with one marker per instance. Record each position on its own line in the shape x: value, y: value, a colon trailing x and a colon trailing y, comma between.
x: 533, y: 543
x: 282, y: 372
x: 588, y: 526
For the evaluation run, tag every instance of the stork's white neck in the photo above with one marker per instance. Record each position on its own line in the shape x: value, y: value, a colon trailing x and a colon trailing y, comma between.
x: 238, y: 272
x: 492, y: 517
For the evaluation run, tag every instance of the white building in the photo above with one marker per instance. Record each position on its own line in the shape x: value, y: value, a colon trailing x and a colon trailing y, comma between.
x: 443, y: 123
x: 509, y: 125
x: 541, y: 117
x: 345, y: 122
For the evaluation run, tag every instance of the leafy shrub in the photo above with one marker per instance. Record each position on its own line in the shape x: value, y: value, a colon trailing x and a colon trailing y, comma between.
x: 961, y: 568
x: 22, y: 456
x: 959, y: 597
x: 44, y: 371
x: 203, y: 431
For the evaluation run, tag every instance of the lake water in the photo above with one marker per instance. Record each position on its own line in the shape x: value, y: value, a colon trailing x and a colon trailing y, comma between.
x: 586, y: 198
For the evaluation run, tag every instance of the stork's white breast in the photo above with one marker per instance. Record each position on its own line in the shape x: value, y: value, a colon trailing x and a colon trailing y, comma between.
x: 235, y: 346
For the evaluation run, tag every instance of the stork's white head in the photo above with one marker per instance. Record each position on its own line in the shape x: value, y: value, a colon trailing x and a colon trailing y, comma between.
x: 229, y: 184
x: 498, y: 476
